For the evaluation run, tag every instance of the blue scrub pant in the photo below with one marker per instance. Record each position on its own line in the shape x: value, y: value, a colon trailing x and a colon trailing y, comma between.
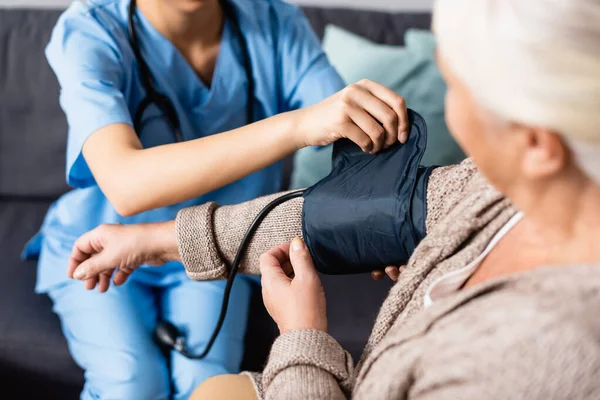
x: 110, y: 336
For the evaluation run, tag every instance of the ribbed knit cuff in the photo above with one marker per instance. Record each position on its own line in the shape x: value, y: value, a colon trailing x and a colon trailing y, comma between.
x: 196, y: 243
x: 308, y: 348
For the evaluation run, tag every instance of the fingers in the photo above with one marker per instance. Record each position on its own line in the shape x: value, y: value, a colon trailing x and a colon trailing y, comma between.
x: 287, y: 261
x: 89, y: 268
x: 391, y: 271
x: 375, y: 133
x: 358, y: 136
x: 271, y: 266
x: 75, y: 261
x: 121, y: 276
x: 301, y: 260
x: 375, y: 118
x: 91, y: 283
x: 377, y: 275
x: 82, y: 250
x: 393, y: 101
x: 104, y: 281
x: 282, y: 253
x: 394, y: 272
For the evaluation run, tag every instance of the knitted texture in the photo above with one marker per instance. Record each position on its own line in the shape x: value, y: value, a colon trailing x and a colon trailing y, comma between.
x: 196, y: 243
x: 208, y: 236
x: 298, y: 351
x: 445, y: 190
x: 528, y: 336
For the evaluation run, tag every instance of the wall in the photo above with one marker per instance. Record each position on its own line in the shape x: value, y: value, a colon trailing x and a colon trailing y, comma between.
x: 397, y: 5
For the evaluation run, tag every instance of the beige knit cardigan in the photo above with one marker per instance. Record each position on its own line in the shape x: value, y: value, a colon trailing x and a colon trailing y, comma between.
x: 533, y: 335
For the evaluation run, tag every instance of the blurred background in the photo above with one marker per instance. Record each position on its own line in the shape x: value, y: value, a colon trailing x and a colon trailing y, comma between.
x: 384, y: 40
x: 386, y: 5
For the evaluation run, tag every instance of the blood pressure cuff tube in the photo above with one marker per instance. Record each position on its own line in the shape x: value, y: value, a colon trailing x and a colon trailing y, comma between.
x: 370, y: 211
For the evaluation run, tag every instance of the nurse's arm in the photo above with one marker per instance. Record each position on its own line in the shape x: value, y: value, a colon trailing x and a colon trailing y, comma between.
x: 135, y: 179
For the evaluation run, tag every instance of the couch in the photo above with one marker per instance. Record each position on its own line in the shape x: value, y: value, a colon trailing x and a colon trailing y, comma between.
x: 34, y: 359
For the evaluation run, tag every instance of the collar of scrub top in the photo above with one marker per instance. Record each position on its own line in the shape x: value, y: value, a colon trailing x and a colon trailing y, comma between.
x: 153, y: 96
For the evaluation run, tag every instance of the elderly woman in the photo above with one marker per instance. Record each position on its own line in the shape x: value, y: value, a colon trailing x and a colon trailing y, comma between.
x: 500, y: 300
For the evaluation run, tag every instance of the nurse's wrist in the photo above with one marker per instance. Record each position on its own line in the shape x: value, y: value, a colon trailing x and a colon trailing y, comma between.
x: 295, y: 128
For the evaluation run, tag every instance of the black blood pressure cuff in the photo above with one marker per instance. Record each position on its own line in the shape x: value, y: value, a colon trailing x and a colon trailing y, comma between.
x: 370, y: 211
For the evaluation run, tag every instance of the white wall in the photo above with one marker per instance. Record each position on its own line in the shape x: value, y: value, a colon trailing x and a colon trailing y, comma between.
x: 394, y: 5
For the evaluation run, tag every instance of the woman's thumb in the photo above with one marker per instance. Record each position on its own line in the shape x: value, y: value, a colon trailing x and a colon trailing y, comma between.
x: 300, y: 258
x: 91, y: 267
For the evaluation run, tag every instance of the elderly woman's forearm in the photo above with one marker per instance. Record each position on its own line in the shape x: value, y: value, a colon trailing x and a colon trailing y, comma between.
x: 208, y: 236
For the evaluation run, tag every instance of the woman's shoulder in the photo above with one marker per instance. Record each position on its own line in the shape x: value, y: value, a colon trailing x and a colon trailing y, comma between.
x: 448, y: 186
x: 546, y: 312
x: 542, y: 316
x: 531, y: 335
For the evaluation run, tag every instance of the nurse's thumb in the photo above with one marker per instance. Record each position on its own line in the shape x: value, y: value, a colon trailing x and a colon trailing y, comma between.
x: 301, y: 260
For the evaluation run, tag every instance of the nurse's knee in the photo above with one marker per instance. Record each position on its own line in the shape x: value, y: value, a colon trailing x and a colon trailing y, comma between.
x: 224, y: 387
x: 130, y: 376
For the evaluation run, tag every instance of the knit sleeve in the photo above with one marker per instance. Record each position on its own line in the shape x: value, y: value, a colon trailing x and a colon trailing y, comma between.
x: 446, y: 188
x: 208, y: 236
x: 307, y: 364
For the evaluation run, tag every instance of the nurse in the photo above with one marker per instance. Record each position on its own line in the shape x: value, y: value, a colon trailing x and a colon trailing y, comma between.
x: 146, y: 88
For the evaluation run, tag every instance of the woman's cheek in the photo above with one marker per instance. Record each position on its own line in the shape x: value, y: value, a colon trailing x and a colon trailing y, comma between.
x: 453, y: 115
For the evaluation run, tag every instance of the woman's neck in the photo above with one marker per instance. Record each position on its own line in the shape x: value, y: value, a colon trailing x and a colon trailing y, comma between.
x: 561, y: 227
x: 197, y: 25
x: 567, y: 218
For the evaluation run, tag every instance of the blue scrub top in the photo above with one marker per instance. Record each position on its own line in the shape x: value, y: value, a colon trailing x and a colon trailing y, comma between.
x: 90, y: 54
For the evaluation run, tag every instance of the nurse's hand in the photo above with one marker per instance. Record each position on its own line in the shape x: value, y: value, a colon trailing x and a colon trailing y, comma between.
x: 369, y: 114
x: 122, y: 248
x: 291, y: 288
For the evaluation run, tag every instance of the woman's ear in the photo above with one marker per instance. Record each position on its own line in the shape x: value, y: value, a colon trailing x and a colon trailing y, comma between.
x: 544, y: 153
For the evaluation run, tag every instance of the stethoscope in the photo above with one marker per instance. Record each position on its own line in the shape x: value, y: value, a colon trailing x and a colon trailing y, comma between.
x: 166, y: 334
x: 153, y: 96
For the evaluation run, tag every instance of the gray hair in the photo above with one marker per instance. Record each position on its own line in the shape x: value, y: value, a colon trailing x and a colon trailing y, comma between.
x: 535, y: 62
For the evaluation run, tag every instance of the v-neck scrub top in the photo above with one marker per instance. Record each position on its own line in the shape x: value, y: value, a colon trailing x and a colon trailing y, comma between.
x: 91, y: 55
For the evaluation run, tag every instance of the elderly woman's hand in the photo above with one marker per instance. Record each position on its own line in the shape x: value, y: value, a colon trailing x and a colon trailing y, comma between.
x: 122, y: 248
x: 392, y: 272
x: 292, y: 290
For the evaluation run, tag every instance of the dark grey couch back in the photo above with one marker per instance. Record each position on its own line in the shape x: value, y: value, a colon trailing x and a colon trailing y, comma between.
x: 32, y: 126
